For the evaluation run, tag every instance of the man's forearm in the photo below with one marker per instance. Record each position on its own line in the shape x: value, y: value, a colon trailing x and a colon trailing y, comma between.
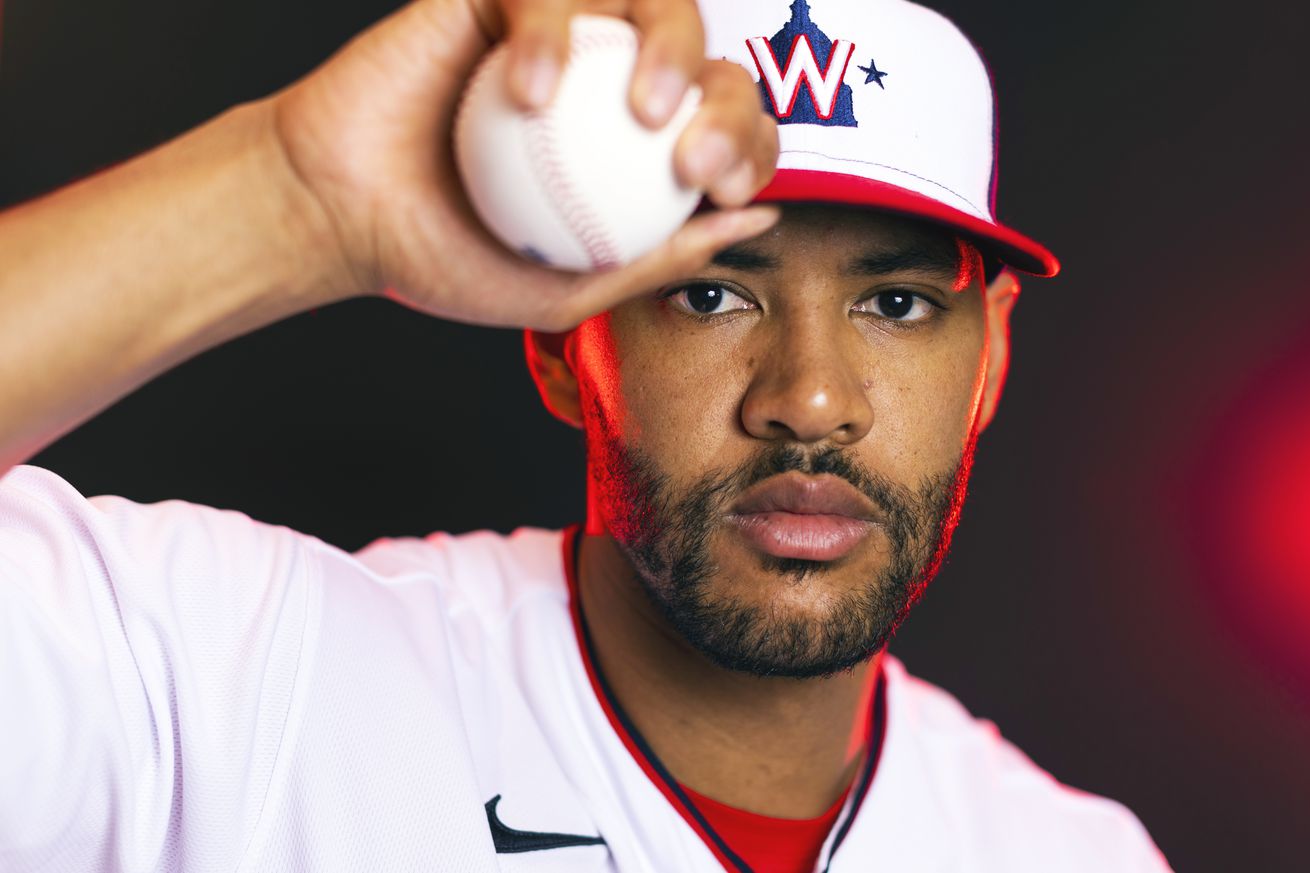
x: 110, y: 282
x: 352, y: 187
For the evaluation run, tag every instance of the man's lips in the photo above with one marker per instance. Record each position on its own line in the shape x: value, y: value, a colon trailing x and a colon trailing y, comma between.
x: 814, y: 518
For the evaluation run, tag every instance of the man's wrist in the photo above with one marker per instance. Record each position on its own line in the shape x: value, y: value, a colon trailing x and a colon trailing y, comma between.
x: 303, y: 223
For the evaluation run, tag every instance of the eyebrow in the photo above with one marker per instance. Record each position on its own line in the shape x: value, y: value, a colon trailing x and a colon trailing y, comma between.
x: 741, y: 257
x: 915, y: 258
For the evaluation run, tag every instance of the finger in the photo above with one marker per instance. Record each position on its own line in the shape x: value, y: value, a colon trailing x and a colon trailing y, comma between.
x: 736, y: 187
x: 728, y: 128
x: 756, y: 167
x: 538, y: 48
x: 683, y: 254
x: 754, y: 171
x: 672, y: 53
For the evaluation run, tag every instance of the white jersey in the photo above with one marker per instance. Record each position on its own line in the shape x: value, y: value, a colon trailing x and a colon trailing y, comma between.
x: 185, y: 689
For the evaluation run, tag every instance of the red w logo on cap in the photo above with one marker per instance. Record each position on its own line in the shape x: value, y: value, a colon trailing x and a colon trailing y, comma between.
x: 784, y: 83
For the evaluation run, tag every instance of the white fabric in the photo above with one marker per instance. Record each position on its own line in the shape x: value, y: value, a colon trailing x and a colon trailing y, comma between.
x: 185, y: 689
x: 928, y: 127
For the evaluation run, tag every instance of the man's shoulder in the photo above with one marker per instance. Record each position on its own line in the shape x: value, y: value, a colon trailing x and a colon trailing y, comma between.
x: 490, y: 573
x: 47, y: 522
x: 26, y: 487
x: 993, y: 797
x: 171, y: 548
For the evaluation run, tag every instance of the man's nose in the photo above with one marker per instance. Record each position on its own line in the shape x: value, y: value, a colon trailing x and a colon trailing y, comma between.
x: 808, y: 387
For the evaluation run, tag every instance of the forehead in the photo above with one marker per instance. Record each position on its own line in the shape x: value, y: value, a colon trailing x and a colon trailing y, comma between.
x: 849, y: 240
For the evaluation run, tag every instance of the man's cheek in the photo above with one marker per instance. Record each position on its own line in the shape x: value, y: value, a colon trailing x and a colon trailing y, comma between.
x: 920, y: 426
x: 690, y: 430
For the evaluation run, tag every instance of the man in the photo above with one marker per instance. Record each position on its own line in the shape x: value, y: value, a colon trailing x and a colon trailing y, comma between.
x: 780, y: 408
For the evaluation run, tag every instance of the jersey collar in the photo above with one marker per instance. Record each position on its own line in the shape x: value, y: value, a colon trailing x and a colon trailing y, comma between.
x: 655, y: 770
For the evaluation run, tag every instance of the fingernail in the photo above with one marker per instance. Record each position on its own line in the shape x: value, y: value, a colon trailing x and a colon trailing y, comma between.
x: 709, y: 154
x: 664, y: 89
x: 737, y: 185
x: 536, y: 80
x: 758, y: 219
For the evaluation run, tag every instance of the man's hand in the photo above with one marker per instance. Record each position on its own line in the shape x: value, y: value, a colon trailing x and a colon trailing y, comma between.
x: 341, y: 185
x: 368, y: 138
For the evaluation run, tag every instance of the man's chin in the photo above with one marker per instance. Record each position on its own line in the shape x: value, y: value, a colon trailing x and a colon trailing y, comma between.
x: 769, y: 616
x: 748, y: 573
x: 804, y: 599
x: 785, y: 643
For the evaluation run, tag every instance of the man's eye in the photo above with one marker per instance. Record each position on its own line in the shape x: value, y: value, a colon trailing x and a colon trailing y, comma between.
x: 898, y: 306
x: 708, y: 298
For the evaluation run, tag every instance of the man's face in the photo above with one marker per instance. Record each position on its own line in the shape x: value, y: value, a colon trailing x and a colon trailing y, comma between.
x: 780, y: 445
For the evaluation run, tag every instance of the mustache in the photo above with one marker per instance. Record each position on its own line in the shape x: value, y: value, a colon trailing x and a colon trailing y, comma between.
x: 780, y: 459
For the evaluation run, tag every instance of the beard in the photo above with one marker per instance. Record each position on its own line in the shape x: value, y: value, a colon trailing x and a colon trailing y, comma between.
x: 666, y: 537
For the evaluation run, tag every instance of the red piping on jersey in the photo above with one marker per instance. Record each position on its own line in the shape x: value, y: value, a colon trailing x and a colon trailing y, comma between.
x: 655, y: 770
x: 771, y: 845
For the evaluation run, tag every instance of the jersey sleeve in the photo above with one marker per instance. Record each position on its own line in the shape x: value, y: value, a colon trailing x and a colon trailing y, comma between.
x: 980, y: 798
x: 148, y: 658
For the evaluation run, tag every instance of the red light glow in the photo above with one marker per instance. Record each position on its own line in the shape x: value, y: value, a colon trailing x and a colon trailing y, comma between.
x: 1249, y: 502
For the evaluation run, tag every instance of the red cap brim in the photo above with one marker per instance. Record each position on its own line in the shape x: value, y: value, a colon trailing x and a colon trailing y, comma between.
x: 1012, y: 248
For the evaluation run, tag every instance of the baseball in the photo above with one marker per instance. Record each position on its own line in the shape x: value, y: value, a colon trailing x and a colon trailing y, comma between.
x: 581, y: 185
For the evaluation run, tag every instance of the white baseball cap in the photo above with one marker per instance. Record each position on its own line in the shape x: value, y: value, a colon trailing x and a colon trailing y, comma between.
x: 880, y: 103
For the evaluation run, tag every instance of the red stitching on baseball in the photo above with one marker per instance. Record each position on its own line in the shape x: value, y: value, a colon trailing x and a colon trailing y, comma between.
x: 581, y: 220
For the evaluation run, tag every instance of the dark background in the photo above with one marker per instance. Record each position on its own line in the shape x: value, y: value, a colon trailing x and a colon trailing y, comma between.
x: 1129, y: 593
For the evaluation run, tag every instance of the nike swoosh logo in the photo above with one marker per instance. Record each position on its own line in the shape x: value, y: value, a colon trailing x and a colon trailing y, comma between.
x: 509, y: 840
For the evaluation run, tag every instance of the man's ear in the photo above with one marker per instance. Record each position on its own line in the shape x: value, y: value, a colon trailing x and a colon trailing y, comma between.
x: 551, y: 366
x: 1001, y: 295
